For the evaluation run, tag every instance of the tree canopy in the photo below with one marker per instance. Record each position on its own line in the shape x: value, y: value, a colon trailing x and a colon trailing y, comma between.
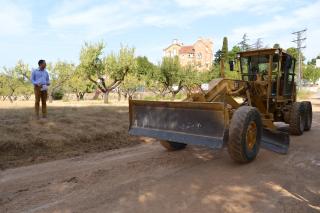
x: 224, y: 50
x: 107, y: 72
x: 127, y: 74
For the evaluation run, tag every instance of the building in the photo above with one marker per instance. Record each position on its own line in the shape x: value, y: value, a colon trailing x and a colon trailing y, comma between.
x: 200, y: 54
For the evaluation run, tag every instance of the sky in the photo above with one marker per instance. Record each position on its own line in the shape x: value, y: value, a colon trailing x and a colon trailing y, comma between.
x: 57, y: 29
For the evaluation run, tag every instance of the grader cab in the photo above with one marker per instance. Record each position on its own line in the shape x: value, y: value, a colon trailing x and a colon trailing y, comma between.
x: 238, y: 114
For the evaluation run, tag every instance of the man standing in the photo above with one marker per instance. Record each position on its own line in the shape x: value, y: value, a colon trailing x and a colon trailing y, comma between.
x: 40, y: 80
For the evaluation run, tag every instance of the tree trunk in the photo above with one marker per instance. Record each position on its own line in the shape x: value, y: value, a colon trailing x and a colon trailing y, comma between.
x: 27, y: 97
x: 173, y: 96
x: 81, y: 95
x: 50, y: 97
x: 106, y: 97
x: 96, y: 95
x: 10, y: 98
x: 119, y: 95
x: 222, y: 68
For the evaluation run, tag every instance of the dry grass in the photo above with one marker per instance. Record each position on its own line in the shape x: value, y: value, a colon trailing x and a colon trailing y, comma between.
x: 305, y: 94
x: 72, y: 128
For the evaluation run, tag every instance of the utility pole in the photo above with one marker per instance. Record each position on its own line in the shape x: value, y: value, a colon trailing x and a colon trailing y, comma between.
x: 300, y: 38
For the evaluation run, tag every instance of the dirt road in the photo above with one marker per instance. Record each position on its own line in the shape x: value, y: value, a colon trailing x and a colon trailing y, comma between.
x: 145, y: 178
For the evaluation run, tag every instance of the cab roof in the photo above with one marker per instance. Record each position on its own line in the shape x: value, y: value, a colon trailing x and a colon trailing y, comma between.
x: 266, y: 51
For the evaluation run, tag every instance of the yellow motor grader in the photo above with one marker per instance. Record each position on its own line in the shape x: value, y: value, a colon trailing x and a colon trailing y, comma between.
x: 238, y: 114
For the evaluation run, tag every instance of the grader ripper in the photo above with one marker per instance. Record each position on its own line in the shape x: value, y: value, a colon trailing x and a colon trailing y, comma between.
x: 239, y: 114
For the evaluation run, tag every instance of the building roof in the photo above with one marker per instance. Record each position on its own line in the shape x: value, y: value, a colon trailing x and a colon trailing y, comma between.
x: 176, y: 44
x: 186, y: 49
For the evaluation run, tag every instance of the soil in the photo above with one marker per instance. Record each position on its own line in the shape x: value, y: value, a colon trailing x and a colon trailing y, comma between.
x: 146, y: 178
x: 71, y: 129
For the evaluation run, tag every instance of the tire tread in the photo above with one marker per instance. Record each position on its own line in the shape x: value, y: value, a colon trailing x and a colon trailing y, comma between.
x: 236, y: 132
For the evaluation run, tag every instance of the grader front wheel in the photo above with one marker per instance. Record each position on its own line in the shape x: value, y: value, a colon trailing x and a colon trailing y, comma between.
x: 172, y: 146
x: 245, y: 134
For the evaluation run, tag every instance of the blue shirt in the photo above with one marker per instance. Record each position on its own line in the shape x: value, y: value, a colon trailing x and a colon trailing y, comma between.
x: 40, y: 77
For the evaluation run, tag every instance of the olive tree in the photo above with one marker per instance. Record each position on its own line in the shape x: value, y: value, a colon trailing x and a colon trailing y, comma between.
x: 4, y: 90
x: 78, y: 84
x: 130, y: 85
x: 172, y: 75
x: 153, y: 82
x: 10, y: 83
x: 139, y: 78
x: 108, y: 72
x: 311, y: 73
x: 24, y: 73
x: 60, y: 73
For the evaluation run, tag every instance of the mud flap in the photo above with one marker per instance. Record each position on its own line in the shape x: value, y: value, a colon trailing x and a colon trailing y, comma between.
x: 275, y: 140
x: 184, y: 122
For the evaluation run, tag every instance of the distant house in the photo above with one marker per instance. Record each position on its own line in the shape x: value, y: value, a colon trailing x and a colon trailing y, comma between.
x: 200, y: 54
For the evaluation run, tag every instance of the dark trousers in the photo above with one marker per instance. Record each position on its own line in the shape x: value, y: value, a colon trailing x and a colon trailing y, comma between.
x: 40, y: 95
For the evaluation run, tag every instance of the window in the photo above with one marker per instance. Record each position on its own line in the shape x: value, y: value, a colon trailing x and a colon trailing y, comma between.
x: 288, y: 65
x: 253, y: 65
x: 199, y: 55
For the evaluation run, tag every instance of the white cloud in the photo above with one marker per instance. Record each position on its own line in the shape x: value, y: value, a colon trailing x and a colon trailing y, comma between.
x: 124, y: 14
x: 99, y: 19
x: 87, y: 20
x: 69, y: 22
x: 189, y: 11
x: 14, y: 20
x: 220, y: 7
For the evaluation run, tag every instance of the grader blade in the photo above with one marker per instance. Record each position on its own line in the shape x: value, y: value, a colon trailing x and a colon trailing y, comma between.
x: 275, y: 140
x: 184, y: 122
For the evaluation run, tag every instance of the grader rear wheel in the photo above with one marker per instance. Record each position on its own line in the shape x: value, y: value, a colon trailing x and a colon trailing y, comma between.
x: 172, y: 146
x: 297, y: 119
x: 245, y: 134
x: 308, y: 115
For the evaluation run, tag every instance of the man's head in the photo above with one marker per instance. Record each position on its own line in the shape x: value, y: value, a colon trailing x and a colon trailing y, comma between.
x: 42, y: 64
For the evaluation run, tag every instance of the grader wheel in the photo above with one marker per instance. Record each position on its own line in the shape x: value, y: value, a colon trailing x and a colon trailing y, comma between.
x: 172, y: 146
x: 245, y: 134
x: 297, y: 119
x: 308, y: 115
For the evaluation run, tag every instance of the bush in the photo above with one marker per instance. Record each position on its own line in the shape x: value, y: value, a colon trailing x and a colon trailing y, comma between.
x: 57, y: 95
